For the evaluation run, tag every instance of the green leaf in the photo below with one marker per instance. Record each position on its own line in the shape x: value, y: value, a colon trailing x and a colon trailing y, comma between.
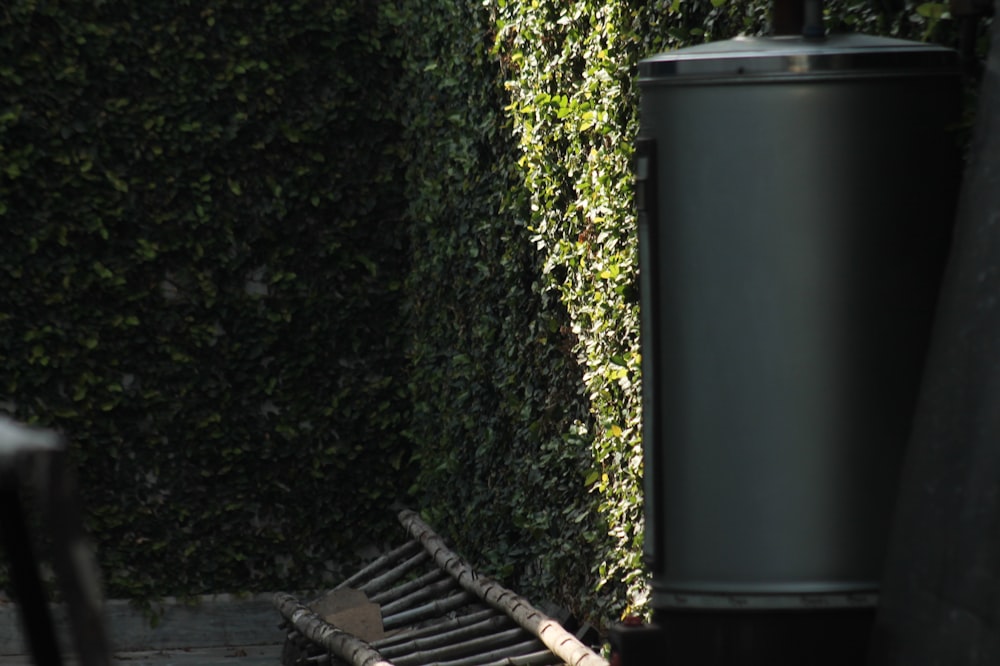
x: 116, y: 182
x: 932, y: 10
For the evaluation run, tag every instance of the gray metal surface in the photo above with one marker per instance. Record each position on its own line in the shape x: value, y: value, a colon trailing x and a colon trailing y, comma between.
x: 792, y: 234
x: 850, y: 56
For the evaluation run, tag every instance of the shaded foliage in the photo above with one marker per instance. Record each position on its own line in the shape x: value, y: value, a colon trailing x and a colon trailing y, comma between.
x: 200, y: 267
x: 275, y: 265
x: 495, y: 388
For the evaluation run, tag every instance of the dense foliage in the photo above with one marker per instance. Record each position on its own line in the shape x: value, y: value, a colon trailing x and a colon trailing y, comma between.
x: 568, y: 69
x: 496, y: 390
x: 201, y: 260
x: 569, y: 73
x: 275, y: 265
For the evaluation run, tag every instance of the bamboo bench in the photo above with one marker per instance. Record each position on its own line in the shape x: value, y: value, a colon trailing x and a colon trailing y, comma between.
x: 435, y: 610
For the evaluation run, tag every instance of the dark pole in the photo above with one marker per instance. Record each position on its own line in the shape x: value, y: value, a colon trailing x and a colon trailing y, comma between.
x: 940, y: 599
x: 27, y: 586
x: 787, y: 17
x: 797, y: 17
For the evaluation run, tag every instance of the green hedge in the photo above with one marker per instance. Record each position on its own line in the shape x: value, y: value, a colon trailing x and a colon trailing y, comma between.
x: 201, y: 267
x: 524, y: 357
x: 275, y: 265
x: 568, y: 70
x: 495, y: 387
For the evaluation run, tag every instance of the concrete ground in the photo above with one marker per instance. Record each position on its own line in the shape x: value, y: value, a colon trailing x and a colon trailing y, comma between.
x: 247, y: 655
x: 221, y: 630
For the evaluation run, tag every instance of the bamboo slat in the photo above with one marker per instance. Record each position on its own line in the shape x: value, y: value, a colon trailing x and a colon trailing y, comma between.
x: 432, y: 591
x: 562, y: 643
x: 378, y: 564
x: 442, y: 625
x: 487, y: 626
x: 382, y: 582
x: 429, y: 610
x: 473, y: 646
x: 498, y: 656
x: 433, y: 603
x: 541, y: 658
x: 340, y: 643
x: 390, y: 595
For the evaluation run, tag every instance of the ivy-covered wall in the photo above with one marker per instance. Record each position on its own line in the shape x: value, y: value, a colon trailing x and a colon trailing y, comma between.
x: 275, y: 265
x: 524, y: 356
x: 201, y: 264
x: 569, y: 73
x: 500, y: 413
x: 562, y: 497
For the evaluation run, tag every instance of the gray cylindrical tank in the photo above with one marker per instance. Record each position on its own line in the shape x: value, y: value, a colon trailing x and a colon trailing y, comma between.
x: 795, y: 200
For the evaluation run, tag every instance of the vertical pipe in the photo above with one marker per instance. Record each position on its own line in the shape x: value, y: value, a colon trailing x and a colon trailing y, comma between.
x: 812, y: 27
x: 798, y: 17
x: 787, y: 17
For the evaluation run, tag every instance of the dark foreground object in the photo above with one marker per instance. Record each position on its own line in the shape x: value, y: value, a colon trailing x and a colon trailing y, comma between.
x: 941, y: 593
x: 791, y: 261
x: 810, y: 638
x: 33, y: 464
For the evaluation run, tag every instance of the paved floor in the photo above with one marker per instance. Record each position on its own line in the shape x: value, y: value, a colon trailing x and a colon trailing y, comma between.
x: 221, y: 630
x: 247, y: 655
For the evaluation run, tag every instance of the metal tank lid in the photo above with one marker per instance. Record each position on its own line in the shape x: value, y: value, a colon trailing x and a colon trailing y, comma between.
x: 748, y: 58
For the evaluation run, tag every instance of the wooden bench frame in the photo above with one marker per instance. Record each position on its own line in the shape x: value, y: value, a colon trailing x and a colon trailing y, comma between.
x: 442, y: 611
